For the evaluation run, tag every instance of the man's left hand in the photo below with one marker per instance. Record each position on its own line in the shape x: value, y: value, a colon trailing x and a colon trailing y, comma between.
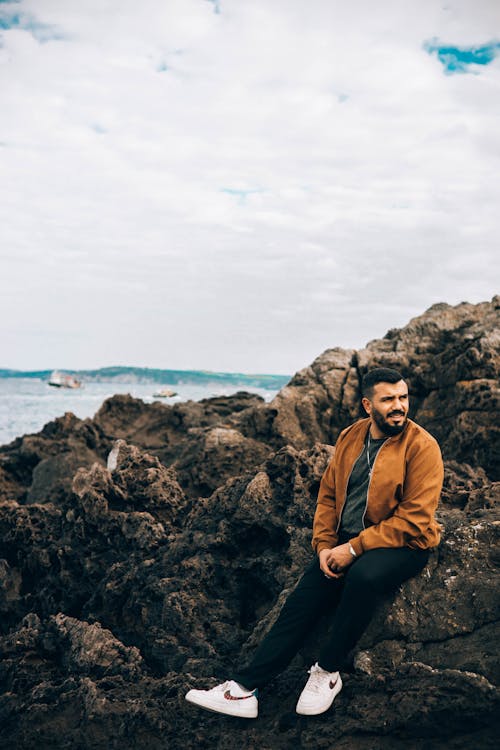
x: 340, y: 558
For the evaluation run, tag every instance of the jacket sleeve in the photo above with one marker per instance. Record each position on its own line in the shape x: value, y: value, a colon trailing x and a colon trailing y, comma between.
x: 414, y: 515
x: 325, y: 517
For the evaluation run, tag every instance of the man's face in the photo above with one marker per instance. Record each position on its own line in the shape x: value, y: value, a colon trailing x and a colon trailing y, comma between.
x: 388, y: 408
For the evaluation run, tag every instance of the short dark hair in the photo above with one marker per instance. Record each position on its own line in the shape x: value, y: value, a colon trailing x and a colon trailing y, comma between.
x: 378, y: 375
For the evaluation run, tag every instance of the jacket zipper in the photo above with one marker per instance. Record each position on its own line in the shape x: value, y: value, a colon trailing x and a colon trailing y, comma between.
x: 369, y: 482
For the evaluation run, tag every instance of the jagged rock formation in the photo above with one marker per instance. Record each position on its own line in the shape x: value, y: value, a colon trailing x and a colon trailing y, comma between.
x: 152, y: 545
x: 40, y: 468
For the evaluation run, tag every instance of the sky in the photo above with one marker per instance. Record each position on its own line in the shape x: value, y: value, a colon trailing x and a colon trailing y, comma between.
x: 238, y: 186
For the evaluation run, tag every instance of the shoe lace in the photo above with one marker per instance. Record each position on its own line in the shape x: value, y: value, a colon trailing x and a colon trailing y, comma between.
x: 316, y: 681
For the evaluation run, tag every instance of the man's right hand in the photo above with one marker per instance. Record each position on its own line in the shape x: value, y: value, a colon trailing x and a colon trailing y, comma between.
x: 324, y: 558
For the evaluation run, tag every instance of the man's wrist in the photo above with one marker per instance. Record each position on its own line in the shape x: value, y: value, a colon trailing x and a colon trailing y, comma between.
x: 352, y: 550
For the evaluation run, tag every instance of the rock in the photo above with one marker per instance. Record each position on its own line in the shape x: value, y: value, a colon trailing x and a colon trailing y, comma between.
x: 199, y: 439
x: 100, y: 499
x: 313, y: 402
x: 89, y: 649
x: 52, y: 477
x: 10, y: 489
x: 215, y: 454
x: 141, y: 482
x: 162, y: 427
x: 41, y: 467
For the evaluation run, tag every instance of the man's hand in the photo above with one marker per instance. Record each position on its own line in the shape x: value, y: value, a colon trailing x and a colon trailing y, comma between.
x: 340, y: 557
x: 334, y: 561
x: 324, y: 556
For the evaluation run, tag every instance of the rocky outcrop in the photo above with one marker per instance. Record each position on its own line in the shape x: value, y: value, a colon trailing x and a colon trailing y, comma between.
x: 450, y: 358
x: 40, y: 468
x: 156, y: 546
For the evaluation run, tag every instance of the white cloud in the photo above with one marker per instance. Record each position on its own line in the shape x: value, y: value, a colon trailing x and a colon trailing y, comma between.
x: 369, y: 178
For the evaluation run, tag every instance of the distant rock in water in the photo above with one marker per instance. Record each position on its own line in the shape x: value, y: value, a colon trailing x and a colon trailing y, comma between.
x: 147, y: 548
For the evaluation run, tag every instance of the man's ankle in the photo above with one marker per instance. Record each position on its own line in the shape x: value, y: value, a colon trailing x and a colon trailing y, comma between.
x: 327, y: 669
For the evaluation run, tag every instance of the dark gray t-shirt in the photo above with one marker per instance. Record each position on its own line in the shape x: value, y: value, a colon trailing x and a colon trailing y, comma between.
x: 357, y: 489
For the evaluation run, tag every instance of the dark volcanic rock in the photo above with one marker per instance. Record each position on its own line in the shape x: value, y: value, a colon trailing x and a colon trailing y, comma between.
x: 40, y: 468
x: 163, y: 427
x: 200, y: 439
x: 213, y: 455
x: 152, y: 547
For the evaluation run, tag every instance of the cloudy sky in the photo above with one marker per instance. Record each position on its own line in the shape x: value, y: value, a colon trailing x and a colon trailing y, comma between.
x: 238, y: 185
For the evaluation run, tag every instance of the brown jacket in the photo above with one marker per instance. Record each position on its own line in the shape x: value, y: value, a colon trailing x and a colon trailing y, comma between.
x: 403, y: 492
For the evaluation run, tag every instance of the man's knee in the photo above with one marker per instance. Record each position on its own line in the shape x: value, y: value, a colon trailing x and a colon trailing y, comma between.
x: 365, y: 578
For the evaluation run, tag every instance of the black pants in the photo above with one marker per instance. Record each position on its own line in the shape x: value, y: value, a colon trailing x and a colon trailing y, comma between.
x: 354, y: 598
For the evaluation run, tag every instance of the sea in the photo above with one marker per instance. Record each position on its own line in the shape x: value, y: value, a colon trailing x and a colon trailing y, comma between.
x: 27, y: 404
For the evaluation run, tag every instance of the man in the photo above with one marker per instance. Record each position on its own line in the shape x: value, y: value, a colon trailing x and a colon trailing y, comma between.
x: 373, y: 528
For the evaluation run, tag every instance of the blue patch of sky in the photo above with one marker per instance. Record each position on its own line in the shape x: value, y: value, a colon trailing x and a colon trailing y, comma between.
x: 216, y: 4
x: 41, y: 31
x: 242, y: 195
x: 162, y: 66
x: 457, y: 59
x: 10, y: 21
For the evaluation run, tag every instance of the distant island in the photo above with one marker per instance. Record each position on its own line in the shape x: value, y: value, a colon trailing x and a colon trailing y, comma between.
x: 168, y: 377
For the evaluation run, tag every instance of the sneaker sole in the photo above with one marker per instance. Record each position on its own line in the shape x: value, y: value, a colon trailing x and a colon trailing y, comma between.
x: 314, y: 711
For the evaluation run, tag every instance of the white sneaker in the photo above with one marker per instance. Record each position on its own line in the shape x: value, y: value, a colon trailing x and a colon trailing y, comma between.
x: 229, y: 698
x: 319, y: 692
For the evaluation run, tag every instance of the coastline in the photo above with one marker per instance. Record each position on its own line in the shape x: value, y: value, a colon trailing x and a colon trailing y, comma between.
x: 28, y: 403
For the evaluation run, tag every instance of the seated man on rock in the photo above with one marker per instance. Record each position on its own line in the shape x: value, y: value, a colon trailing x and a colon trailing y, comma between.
x: 373, y: 527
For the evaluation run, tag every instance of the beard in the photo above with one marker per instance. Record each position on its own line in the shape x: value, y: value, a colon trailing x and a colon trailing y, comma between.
x: 385, y: 427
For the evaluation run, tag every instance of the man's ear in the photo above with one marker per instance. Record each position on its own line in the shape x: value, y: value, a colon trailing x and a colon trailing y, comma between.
x: 367, y: 405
